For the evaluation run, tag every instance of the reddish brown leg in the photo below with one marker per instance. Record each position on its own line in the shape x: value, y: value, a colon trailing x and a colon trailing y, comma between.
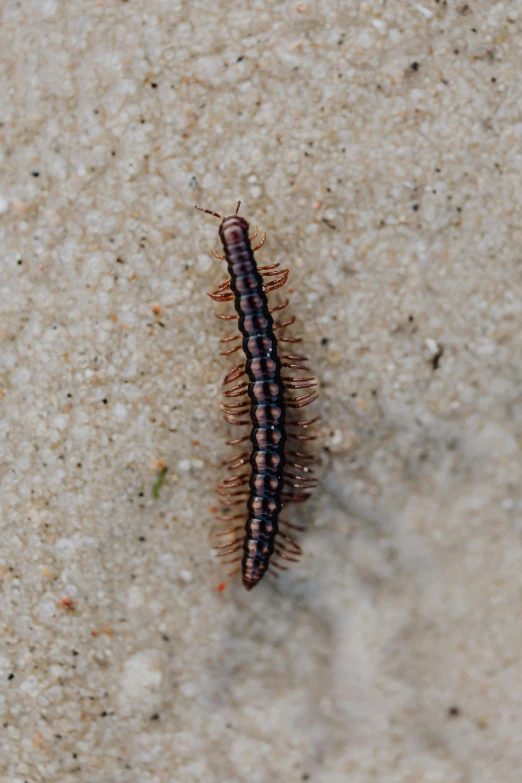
x: 226, y: 317
x: 279, y: 307
x: 257, y: 247
x: 237, y: 461
x: 235, y: 373
x: 278, y: 282
x: 291, y: 525
x: 231, y: 350
x: 237, y: 390
x: 284, y: 324
x: 278, y: 566
x: 290, y: 340
x: 237, y: 422
x: 235, y: 529
x: 229, y: 543
x: 230, y: 339
x: 236, y: 441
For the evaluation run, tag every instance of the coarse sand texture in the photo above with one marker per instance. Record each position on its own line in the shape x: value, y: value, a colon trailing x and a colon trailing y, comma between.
x: 379, y: 146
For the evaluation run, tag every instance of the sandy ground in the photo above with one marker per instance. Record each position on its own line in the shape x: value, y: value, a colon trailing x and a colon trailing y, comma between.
x: 379, y: 145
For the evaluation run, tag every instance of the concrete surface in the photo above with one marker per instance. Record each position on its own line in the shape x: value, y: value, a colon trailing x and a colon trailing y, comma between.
x: 379, y: 145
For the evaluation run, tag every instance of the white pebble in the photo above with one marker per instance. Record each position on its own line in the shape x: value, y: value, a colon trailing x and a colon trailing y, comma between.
x: 185, y: 576
x: 380, y: 26
x: 4, y: 206
x: 432, y: 346
x: 141, y: 681
x: 424, y: 11
x: 204, y: 263
x: 120, y: 411
x: 188, y: 689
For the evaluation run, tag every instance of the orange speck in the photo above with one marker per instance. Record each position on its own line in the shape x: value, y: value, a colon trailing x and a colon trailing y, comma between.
x: 156, y: 309
x: 213, y: 509
x: 195, y: 442
x: 1, y: 394
x: 107, y: 631
x: 38, y: 740
x: 133, y: 276
x: 301, y: 8
x: 114, y: 318
x: 221, y: 586
x: 67, y: 603
x: 316, y: 205
x: 94, y: 633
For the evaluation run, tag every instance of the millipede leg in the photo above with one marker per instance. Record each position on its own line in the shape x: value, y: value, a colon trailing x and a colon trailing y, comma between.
x: 237, y: 461
x: 236, y: 441
x: 279, y: 566
x: 228, y: 532
x: 236, y: 391
x: 303, y: 423
x: 234, y: 560
x: 279, y: 282
x: 284, y: 324
x: 291, y: 525
x: 232, y: 407
x: 226, y: 317
x: 229, y: 543
x: 235, y: 373
x: 230, y: 350
x: 293, y: 366
x: 301, y: 455
x: 279, y: 307
x: 237, y: 422
x: 230, y: 339
x: 257, y: 247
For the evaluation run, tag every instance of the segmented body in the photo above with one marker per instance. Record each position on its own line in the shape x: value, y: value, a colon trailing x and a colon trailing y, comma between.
x: 267, y: 405
x: 275, y: 475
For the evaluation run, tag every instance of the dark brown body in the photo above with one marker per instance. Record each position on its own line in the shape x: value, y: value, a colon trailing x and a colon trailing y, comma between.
x: 275, y: 475
x: 266, y: 393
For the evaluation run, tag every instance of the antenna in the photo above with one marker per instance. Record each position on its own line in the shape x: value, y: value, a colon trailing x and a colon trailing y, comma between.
x: 208, y: 211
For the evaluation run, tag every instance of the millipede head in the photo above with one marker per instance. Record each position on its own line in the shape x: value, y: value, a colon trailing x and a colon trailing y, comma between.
x: 232, y: 228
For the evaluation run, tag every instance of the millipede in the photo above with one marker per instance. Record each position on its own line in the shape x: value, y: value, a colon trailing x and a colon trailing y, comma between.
x: 274, y: 470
